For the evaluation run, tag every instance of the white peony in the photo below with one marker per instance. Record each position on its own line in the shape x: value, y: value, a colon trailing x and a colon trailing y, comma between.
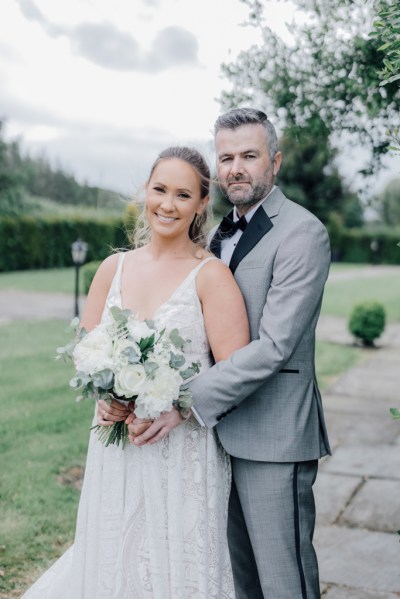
x: 129, y: 380
x: 94, y: 352
x: 157, y: 395
x: 138, y: 329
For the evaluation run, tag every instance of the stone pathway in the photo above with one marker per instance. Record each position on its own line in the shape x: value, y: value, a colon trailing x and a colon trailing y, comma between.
x: 358, y: 488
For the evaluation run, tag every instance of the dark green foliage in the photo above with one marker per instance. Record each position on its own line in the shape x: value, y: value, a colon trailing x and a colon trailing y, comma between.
x: 11, y: 199
x: 367, y: 322
x: 88, y: 271
x: 371, y: 246
x: 308, y: 175
x: 22, y: 176
x: 27, y: 242
x: 388, y: 203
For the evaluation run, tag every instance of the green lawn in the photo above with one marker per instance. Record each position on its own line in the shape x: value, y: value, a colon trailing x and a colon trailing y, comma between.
x: 44, y: 432
x: 341, y: 296
x: 52, y: 280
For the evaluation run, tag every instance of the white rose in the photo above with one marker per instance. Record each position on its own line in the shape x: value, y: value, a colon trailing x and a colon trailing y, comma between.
x: 94, y: 352
x: 129, y: 380
x: 138, y: 329
x: 157, y: 395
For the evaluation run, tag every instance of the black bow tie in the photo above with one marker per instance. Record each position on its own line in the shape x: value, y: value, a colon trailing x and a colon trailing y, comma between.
x: 228, y: 227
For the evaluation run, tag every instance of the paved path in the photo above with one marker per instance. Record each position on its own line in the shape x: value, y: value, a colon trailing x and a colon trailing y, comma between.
x: 358, y: 489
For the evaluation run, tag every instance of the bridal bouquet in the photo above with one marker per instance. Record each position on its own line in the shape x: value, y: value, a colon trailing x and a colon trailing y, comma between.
x: 130, y: 360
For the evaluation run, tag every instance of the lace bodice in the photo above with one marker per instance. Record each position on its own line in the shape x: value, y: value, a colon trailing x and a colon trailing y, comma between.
x: 182, y: 308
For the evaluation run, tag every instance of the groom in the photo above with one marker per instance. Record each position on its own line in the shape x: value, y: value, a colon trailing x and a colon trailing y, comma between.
x: 264, y: 400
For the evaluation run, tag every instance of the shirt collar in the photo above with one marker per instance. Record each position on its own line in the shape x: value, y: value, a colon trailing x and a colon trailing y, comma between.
x: 250, y: 213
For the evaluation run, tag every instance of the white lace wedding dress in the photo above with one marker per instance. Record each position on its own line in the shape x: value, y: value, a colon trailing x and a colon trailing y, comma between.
x: 152, y: 520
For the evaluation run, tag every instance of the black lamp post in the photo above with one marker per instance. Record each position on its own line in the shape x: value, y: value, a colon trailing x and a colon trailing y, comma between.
x: 78, y: 250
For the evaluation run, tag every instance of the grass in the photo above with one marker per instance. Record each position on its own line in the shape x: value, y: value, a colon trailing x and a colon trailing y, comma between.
x: 38, y: 206
x: 52, y: 280
x: 341, y: 296
x: 333, y: 359
x: 44, y: 432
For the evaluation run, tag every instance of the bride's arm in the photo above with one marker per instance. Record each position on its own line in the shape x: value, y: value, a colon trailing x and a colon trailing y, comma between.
x: 98, y: 292
x: 224, y: 311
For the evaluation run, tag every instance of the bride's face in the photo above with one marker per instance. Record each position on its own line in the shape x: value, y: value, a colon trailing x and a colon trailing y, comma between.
x: 173, y: 197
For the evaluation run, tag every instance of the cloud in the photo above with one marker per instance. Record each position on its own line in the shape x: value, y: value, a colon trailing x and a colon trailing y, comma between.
x: 172, y: 46
x: 107, y: 46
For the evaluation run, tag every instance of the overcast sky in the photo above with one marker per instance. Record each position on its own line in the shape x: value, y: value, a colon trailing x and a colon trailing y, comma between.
x: 102, y: 86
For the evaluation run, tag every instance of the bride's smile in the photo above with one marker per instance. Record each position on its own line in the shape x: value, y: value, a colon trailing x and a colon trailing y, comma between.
x: 173, y: 198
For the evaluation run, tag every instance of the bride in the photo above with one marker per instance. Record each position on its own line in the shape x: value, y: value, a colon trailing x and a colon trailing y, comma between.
x: 152, y: 520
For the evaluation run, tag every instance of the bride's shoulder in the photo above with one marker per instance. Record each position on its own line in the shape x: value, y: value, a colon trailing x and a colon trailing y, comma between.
x: 213, y: 271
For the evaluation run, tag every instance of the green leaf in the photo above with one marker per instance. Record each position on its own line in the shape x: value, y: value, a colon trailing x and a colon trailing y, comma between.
x: 120, y: 316
x: 176, y: 339
x: 150, y: 368
x: 103, y: 379
x: 131, y: 355
x: 395, y: 412
x: 146, y: 343
x: 176, y: 360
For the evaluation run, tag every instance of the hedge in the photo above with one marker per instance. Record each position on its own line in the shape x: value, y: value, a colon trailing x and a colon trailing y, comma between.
x: 27, y: 242
x: 365, y: 246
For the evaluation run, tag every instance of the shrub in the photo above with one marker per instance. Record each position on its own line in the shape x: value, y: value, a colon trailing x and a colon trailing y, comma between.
x: 367, y: 322
x: 88, y: 271
x: 27, y: 242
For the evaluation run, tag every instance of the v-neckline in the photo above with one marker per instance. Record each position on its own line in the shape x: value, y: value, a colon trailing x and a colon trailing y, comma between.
x: 167, y: 301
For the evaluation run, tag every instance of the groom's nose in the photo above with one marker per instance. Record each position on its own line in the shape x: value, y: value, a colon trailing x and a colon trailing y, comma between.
x: 237, y: 166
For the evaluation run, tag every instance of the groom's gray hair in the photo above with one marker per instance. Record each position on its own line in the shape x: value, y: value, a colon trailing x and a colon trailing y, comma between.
x: 249, y: 116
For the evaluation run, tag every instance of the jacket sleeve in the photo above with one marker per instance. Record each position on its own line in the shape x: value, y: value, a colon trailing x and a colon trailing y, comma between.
x: 294, y: 298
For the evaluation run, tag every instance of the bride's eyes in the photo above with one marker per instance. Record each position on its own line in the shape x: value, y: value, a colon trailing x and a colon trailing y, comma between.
x: 157, y: 188
x: 183, y: 195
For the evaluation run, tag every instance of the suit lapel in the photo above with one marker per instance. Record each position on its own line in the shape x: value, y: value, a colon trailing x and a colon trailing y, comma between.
x: 258, y: 226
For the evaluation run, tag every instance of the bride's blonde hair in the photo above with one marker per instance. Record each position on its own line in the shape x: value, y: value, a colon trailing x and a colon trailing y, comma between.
x: 197, y: 233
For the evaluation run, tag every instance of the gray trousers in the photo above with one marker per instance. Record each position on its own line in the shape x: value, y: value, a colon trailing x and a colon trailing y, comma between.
x: 270, y: 530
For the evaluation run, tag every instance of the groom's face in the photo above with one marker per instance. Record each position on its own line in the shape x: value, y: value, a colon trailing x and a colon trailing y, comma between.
x: 245, y: 171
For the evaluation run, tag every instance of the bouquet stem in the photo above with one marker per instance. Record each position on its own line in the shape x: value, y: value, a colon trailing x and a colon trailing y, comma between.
x: 112, y: 435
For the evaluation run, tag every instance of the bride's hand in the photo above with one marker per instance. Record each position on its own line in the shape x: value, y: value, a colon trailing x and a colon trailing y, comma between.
x: 157, y: 429
x: 108, y: 413
x: 137, y: 426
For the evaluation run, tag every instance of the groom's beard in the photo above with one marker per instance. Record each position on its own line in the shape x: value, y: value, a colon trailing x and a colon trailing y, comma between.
x: 245, y: 199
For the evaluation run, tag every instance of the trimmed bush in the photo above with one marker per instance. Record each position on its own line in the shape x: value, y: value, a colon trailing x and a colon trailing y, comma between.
x: 27, y: 242
x: 370, y: 246
x: 88, y: 271
x: 367, y: 322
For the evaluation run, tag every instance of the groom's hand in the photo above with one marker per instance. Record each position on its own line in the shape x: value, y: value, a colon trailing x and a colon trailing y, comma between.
x: 158, y: 428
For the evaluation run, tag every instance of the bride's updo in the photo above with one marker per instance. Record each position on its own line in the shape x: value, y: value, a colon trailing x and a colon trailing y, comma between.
x: 141, y: 235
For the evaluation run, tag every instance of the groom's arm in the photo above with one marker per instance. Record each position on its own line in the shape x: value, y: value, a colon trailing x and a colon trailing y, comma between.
x: 300, y: 271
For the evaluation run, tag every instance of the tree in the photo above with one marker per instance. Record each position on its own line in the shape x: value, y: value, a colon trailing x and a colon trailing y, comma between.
x: 387, y: 31
x: 11, y: 199
x: 388, y: 203
x: 330, y: 72
x: 309, y: 177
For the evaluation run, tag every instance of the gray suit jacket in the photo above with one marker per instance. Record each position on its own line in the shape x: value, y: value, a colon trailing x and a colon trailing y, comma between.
x: 264, y: 399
